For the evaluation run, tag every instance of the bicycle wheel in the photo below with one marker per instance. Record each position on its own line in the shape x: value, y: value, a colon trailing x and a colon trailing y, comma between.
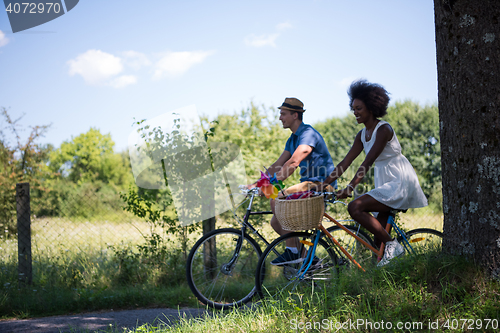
x: 219, y: 275
x: 423, y: 240
x: 363, y: 255
x: 276, y: 282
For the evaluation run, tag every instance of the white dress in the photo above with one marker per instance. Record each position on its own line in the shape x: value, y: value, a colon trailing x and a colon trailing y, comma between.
x: 396, y: 183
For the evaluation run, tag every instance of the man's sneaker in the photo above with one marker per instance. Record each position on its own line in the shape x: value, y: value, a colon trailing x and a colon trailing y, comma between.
x: 392, y: 250
x: 288, y: 257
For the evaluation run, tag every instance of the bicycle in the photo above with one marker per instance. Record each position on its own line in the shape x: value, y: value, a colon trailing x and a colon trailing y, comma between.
x: 323, y: 256
x: 221, y: 266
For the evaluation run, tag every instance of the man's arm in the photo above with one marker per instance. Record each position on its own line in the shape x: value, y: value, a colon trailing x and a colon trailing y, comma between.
x: 280, y: 162
x: 293, y: 162
x: 276, y: 166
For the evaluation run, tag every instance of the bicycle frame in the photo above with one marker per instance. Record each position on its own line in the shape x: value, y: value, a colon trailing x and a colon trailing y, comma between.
x: 244, y: 225
x: 390, y: 223
x: 344, y: 251
x: 321, y: 258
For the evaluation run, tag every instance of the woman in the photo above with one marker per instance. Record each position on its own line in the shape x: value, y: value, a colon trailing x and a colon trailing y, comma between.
x: 396, y: 183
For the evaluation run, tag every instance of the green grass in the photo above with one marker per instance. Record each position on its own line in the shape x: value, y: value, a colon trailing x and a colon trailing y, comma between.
x: 83, y: 273
x: 419, y: 290
x: 76, y: 269
x: 84, y: 265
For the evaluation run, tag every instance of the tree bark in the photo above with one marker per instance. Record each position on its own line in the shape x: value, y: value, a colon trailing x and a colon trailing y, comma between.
x: 468, y: 55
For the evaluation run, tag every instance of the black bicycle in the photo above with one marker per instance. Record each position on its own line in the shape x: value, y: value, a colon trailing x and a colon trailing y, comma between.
x: 221, y: 265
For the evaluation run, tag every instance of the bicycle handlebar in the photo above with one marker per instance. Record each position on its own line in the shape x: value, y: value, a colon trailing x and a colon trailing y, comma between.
x: 255, y: 190
x: 246, y: 191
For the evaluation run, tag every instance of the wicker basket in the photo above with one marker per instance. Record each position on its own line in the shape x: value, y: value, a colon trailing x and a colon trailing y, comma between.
x: 300, y: 214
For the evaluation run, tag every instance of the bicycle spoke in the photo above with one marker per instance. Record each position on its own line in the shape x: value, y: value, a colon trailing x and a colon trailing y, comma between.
x: 360, y: 253
x: 210, y: 278
x: 424, y: 240
x: 289, y: 280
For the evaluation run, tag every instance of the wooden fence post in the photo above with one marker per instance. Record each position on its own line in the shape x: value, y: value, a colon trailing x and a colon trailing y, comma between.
x: 24, y: 233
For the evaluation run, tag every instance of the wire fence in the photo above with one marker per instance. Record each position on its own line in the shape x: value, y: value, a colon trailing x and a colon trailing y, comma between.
x: 66, y: 234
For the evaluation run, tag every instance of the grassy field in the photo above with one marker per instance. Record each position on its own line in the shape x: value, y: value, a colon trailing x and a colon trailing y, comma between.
x: 433, y: 293
x: 86, y: 265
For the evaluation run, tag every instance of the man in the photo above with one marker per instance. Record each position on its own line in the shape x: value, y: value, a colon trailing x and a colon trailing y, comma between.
x: 305, y: 148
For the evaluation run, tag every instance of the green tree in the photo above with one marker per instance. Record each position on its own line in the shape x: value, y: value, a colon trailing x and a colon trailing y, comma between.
x: 89, y: 177
x: 259, y: 134
x: 20, y: 161
x: 90, y: 157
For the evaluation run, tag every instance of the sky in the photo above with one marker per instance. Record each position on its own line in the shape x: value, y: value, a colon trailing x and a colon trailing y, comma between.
x: 104, y: 63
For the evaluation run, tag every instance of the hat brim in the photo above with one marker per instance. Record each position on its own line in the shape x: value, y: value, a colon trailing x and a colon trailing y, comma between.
x: 290, y: 109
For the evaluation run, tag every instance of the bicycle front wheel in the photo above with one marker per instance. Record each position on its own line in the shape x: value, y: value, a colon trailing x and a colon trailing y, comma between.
x: 423, y: 240
x: 289, y: 280
x: 221, y: 268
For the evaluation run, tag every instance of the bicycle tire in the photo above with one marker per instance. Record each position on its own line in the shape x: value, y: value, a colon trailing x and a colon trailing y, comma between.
x: 424, y: 240
x: 211, y: 280
x: 274, y: 282
x: 363, y: 255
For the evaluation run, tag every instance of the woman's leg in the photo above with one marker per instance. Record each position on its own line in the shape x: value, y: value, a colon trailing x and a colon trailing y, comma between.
x: 382, y: 218
x: 360, y: 209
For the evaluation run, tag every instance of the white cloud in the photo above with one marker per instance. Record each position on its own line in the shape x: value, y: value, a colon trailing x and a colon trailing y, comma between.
x: 267, y: 39
x: 262, y: 40
x: 96, y: 67
x: 135, y: 59
x: 284, y: 26
x: 123, y: 81
x: 177, y: 63
x: 3, y: 40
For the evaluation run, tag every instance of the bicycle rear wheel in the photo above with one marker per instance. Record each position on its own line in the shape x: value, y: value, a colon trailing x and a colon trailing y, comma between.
x: 219, y: 275
x: 423, y: 240
x: 277, y: 282
x: 363, y: 255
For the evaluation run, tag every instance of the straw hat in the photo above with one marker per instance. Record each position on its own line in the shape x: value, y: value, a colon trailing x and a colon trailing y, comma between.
x: 292, y: 104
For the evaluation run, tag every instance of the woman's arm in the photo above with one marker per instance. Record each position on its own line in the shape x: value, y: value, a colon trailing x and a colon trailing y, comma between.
x: 384, y: 135
x: 356, y: 149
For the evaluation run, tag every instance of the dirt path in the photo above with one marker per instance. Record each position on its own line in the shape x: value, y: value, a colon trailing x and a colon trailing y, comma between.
x: 90, y: 322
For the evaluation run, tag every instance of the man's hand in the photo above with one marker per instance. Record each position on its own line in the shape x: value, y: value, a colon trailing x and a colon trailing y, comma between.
x: 251, y: 186
x: 323, y: 187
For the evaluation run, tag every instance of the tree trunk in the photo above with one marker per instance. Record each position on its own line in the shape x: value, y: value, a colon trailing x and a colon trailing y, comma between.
x: 468, y: 55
